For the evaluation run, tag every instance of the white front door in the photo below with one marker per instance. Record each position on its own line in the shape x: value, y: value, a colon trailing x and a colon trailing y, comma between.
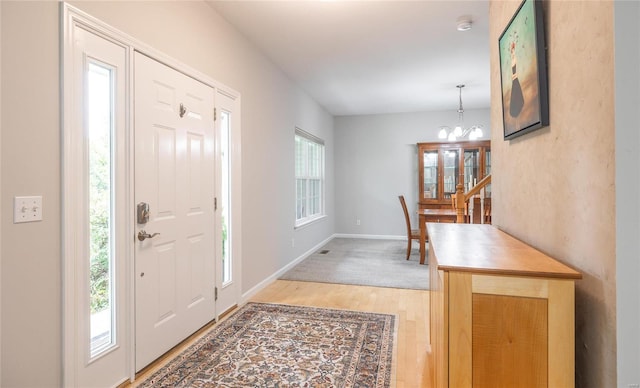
x: 174, y: 175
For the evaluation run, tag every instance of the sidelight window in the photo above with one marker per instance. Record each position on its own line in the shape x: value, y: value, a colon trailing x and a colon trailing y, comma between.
x: 100, y: 126
x: 225, y: 154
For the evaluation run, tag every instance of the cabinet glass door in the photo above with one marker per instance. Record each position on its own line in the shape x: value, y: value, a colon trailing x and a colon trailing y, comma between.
x: 451, y: 172
x: 471, y: 168
x: 430, y: 188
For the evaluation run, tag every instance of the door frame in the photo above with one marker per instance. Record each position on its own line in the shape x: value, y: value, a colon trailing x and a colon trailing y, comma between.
x: 226, y: 102
x: 70, y: 18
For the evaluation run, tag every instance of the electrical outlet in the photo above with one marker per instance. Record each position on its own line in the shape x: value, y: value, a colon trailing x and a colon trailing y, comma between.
x: 27, y: 209
x: 293, y: 243
x: 358, y: 222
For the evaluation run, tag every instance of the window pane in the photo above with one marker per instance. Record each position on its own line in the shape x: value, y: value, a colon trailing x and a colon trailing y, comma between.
x: 313, y: 160
x: 301, y: 162
x: 225, y: 204
x: 99, y: 119
x: 309, y: 169
x: 314, y: 194
x: 301, y: 198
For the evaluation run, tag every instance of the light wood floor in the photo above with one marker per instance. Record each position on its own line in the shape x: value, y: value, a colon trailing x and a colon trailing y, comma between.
x: 412, y: 363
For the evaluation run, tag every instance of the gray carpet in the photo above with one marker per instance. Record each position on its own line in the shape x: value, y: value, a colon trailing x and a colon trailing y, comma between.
x: 363, y: 262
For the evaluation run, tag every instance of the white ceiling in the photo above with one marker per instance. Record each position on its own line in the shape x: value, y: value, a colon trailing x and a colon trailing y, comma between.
x: 371, y: 57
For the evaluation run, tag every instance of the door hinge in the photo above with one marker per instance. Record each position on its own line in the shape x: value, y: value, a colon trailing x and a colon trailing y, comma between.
x: 215, y: 203
x: 215, y: 294
x: 215, y: 114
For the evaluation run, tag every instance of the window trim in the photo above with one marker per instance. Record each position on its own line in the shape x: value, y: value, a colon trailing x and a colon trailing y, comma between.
x: 301, y: 225
x: 298, y: 223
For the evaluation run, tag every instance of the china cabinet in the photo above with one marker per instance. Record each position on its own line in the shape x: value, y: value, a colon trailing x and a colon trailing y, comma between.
x: 441, y: 166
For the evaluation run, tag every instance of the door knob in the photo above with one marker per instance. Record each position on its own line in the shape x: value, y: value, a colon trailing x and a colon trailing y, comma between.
x: 142, y: 235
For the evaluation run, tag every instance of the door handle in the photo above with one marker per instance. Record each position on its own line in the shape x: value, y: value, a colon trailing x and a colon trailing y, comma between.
x: 142, y: 235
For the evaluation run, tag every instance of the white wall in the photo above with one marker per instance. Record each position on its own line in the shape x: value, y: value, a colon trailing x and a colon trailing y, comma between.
x: 627, y: 95
x: 376, y: 159
x: 193, y: 33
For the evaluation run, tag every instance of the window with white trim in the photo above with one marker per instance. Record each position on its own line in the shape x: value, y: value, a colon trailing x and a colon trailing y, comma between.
x: 309, y: 155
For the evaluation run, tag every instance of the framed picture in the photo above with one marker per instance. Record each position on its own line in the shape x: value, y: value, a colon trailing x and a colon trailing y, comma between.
x: 523, y: 72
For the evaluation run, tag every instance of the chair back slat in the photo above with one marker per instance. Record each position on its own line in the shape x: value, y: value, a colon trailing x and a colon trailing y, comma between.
x: 406, y: 214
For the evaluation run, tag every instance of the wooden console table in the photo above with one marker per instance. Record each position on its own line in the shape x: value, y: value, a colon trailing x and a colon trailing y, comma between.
x: 502, y: 312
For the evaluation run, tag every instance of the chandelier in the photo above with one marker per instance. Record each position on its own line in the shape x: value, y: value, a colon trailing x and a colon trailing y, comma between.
x: 474, y: 132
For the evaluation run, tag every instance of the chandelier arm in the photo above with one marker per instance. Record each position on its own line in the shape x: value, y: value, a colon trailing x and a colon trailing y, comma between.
x: 446, y: 132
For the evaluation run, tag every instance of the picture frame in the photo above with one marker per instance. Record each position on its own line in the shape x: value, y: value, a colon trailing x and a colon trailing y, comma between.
x: 523, y: 71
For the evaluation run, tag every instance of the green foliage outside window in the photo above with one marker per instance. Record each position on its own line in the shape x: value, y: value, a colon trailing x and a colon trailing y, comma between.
x: 99, y: 228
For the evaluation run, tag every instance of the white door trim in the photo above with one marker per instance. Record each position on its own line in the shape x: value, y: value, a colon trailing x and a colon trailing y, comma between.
x: 74, y: 246
x: 70, y: 17
x: 231, y: 293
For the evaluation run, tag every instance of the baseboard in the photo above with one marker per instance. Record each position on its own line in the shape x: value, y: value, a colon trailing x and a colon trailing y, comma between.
x: 258, y: 287
x: 371, y: 236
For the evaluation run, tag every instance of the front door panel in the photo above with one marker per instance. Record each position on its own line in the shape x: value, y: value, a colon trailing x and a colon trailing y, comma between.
x: 174, y: 174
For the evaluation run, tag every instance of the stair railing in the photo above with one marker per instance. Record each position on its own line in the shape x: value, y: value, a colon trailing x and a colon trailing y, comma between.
x: 462, y: 198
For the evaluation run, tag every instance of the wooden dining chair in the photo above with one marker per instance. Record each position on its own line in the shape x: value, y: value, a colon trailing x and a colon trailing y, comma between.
x: 412, y: 234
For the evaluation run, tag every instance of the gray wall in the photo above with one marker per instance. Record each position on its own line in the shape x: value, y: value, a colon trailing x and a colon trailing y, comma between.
x: 377, y: 160
x: 193, y: 33
x: 31, y: 262
x: 0, y: 194
x: 627, y: 96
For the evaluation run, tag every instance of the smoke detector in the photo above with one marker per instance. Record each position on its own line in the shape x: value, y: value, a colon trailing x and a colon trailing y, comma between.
x: 464, y: 23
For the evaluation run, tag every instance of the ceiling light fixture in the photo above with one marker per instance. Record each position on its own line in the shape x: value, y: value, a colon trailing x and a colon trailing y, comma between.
x: 474, y: 132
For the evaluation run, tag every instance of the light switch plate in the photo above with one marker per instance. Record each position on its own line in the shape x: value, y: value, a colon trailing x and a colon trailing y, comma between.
x: 27, y: 209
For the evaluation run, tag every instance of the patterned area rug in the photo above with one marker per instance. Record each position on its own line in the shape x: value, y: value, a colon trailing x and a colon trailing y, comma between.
x: 269, y: 345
